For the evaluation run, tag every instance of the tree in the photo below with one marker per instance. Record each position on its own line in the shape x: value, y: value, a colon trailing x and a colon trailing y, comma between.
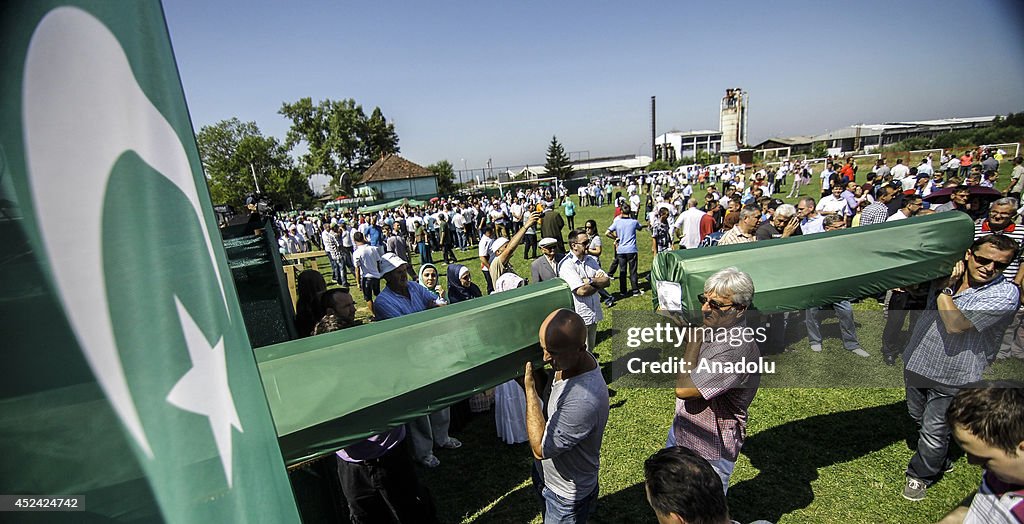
x: 818, y: 150
x: 558, y: 164
x: 445, y: 176
x: 659, y: 165
x: 341, y: 141
x: 231, y: 151
x: 707, y: 158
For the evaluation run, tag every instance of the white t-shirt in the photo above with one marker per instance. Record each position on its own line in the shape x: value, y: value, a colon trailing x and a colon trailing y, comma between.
x: 367, y: 259
x: 485, y: 249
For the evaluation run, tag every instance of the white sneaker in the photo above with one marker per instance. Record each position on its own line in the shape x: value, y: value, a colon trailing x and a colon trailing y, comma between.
x: 860, y: 352
x: 816, y: 348
x: 430, y: 461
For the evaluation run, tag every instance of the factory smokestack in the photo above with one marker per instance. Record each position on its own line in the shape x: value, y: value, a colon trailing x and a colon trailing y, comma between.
x: 654, y: 115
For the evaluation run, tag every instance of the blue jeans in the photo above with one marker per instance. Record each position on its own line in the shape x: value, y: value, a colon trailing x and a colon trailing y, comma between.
x: 847, y: 328
x: 927, y: 406
x: 335, y: 268
x: 424, y: 249
x: 559, y: 510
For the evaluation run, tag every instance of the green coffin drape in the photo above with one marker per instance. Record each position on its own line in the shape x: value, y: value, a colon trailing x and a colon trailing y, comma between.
x: 823, y: 268
x: 331, y: 390
x: 381, y: 207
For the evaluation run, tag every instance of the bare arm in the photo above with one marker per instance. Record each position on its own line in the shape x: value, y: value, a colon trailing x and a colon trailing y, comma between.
x: 958, y: 515
x: 534, y: 414
x: 590, y: 286
x: 952, y: 318
x: 500, y: 260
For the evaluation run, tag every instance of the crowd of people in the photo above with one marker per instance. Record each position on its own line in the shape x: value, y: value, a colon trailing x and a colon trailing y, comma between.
x: 959, y: 324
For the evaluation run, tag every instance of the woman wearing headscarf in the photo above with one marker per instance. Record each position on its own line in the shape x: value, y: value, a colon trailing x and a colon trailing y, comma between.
x: 509, y: 399
x: 432, y: 281
x: 460, y: 289
x: 460, y: 286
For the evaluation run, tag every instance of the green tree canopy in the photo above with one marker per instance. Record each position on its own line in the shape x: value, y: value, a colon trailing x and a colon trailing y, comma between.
x: 341, y: 141
x: 445, y: 176
x: 558, y: 163
x: 231, y: 151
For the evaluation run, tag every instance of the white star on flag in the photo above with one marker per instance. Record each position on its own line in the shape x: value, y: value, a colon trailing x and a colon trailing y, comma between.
x: 204, y: 389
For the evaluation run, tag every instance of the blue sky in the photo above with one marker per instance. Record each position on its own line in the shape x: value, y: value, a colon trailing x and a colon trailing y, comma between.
x: 479, y: 80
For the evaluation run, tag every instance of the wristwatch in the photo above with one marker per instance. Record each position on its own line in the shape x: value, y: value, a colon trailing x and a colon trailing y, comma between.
x: 947, y: 291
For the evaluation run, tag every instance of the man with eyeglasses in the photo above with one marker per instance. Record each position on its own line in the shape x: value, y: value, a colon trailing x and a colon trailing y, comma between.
x: 585, y: 278
x: 952, y: 346
x: 711, y: 408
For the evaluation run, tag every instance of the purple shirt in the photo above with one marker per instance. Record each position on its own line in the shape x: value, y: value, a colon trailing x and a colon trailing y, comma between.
x: 851, y: 202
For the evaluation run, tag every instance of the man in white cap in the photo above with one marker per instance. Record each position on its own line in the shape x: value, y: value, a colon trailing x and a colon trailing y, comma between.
x: 545, y: 267
x: 402, y: 296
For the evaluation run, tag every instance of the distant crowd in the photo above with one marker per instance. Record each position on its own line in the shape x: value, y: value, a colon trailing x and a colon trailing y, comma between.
x: 959, y: 324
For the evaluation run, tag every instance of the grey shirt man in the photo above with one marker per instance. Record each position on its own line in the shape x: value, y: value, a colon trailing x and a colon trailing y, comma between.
x: 577, y: 412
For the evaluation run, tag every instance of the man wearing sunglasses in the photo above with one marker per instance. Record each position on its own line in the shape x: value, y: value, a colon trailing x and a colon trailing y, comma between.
x: 952, y: 346
x: 711, y: 408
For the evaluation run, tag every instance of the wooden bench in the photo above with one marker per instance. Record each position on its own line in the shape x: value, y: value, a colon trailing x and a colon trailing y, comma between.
x: 291, y: 271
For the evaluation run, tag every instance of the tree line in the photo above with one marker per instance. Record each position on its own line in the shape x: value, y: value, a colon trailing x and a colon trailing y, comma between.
x: 339, y: 140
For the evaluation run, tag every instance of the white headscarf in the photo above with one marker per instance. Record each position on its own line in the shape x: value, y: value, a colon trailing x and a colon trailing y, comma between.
x: 508, y: 281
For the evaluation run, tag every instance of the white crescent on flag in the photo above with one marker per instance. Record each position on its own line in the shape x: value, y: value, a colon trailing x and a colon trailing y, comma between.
x: 82, y: 109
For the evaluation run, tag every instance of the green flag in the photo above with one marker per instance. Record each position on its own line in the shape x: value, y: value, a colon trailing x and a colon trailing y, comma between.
x: 130, y: 379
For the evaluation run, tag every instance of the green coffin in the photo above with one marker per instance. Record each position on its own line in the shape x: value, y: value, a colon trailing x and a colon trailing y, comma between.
x: 328, y: 391
x: 381, y: 207
x: 823, y: 268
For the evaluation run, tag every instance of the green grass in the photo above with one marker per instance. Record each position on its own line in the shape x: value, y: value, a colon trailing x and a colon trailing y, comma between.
x: 812, y: 454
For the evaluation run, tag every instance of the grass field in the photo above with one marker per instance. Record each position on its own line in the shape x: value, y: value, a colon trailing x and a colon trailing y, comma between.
x: 811, y: 456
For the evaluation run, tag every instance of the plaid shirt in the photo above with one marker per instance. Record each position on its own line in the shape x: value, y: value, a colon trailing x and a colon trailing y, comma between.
x: 735, y: 236
x: 715, y: 425
x: 958, y: 359
x: 331, y: 244
x: 874, y: 214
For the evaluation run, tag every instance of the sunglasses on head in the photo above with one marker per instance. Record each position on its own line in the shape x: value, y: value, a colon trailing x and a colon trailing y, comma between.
x: 986, y: 261
x: 714, y: 304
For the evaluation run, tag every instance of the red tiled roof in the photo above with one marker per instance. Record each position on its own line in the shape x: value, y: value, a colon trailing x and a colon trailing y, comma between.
x: 394, y: 167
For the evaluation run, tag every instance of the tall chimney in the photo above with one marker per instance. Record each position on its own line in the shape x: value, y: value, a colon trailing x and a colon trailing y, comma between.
x: 654, y: 115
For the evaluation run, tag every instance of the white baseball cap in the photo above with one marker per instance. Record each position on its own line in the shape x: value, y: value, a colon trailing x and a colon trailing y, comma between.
x: 390, y: 262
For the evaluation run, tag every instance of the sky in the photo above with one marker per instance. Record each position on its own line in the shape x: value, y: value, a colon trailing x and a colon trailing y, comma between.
x: 472, y: 81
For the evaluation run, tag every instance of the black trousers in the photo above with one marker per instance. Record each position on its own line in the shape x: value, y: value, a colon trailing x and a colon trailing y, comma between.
x: 627, y: 261
x: 529, y: 242
x: 901, y: 304
x: 385, y: 490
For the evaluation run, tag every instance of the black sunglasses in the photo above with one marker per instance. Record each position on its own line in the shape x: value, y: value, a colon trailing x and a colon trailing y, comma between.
x: 986, y: 261
x: 714, y: 304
